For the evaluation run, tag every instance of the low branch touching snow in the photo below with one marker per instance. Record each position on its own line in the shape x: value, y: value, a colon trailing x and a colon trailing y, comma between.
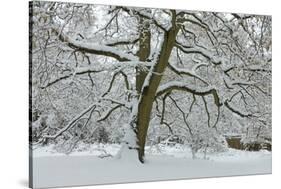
x: 71, y: 123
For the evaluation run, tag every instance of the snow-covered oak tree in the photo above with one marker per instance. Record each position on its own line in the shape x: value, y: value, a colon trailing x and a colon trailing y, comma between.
x: 135, y: 67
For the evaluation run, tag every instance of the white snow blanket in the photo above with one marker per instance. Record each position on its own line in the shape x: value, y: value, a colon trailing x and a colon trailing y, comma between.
x: 164, y: 163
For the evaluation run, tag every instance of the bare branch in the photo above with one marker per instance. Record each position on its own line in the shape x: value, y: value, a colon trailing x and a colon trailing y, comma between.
x: 226, y: 103
x: 113, y: 79
x: 108, y: 113
x: 207, y: 111
x: 87, y: 71
x: 183, y: 116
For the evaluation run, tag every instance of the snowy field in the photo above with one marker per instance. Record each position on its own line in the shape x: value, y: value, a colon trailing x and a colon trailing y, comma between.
x: 93, y: 164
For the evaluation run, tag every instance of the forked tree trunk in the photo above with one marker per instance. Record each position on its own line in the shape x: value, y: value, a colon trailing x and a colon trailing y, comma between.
x: 148, y: 92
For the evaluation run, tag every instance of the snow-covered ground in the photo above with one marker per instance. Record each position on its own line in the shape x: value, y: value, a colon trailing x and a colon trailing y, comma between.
x: 86, y: 167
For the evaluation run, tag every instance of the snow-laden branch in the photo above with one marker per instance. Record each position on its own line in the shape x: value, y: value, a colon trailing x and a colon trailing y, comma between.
x: 197, y: 50
x: 250, y: 68
x: 96, y: 48
x: 145, y: 15
x: 91, y: 108
x: 117, y: 67
x: 184, y: 71
x: 122, y: 42
x: 77, y: 72
x: 236, y: 111
x: 100, y: 49
x: 183, y: 17
x: 180, y: 86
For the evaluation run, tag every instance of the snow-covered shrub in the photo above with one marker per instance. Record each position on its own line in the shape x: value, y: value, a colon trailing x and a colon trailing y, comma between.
x: 102, y: 135
x: 53, y: 120
x: 257, y: 138
x: 157, y: 133
x: 37, y: 128
x: 116, y: 135
x: 256, y: 143
x: 208, y: 141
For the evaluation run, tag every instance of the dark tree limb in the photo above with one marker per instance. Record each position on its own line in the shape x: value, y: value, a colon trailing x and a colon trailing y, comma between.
x: 70, y: 75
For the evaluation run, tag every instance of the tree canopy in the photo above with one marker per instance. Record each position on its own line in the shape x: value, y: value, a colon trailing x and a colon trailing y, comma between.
x: 193, y: 74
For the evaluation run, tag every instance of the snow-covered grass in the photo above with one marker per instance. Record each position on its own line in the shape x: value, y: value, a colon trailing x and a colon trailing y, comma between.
x: 84, y: 167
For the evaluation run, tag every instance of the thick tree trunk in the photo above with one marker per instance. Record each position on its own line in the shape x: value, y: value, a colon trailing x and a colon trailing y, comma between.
x: 148, y: 92
x: 143, y: 53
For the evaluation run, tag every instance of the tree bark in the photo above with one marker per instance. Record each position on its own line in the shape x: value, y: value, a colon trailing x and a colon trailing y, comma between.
x: 144, y: 51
